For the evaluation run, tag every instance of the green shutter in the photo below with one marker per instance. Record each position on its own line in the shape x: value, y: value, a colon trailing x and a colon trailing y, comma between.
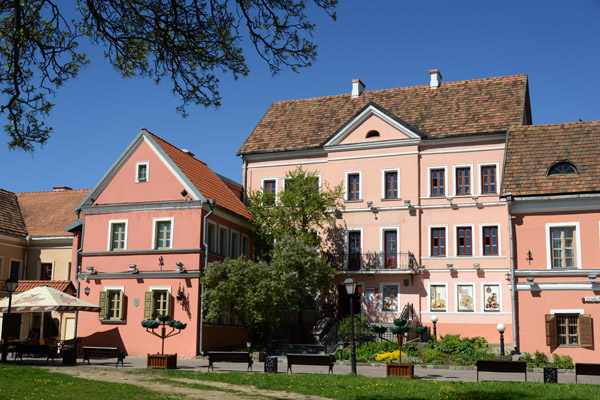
x: 103, y: 307
x: 168, y: 305
x: 148, y: 305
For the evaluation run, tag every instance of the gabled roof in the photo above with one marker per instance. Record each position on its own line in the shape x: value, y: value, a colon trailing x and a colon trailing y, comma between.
x: 455, y: 108
x: 48, y: 213
x: 11, y: 221
x: 63, y: 286
x: 533, y: 149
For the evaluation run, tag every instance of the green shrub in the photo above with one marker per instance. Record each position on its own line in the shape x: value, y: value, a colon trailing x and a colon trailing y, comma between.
x: 433, y: 356
x: 367, y: 351
x: 562, y: 362
x: 537, y: 360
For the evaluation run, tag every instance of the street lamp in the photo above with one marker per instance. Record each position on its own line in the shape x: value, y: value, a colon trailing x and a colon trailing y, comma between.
x: 350, y: 288
x: 501, y: 328
x: 434, y: 319
x: 11, y: 286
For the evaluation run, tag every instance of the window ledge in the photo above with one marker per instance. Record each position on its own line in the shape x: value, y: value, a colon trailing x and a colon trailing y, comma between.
x: 353, y: 201
x: 394, y: 199
x: 113, y: 321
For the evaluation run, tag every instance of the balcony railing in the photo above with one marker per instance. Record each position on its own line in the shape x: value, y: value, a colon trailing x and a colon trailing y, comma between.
x: 376, y: 261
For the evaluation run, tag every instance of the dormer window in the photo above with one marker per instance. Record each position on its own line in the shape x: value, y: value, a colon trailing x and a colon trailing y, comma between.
x: 372, y: 134
x: 141, y: 172
x: 563, y: 168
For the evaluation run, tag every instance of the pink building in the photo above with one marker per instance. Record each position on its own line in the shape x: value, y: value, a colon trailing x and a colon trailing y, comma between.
x: 424, y: 228
x: 552, y: 184
x: 141, y: 249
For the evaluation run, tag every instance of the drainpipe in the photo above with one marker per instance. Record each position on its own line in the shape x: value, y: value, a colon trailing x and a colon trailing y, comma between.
x: 78, y: 266
x: 27, y: 243
x: 244, y: 178
x: 513, y: 281
x: 211, y: 203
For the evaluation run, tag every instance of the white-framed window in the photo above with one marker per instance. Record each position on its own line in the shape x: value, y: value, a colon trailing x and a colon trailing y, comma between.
x: 157, y: 301
x: 390, y: 246
x: 354, y: 249
x: 437, y: 181
x: 438, y: 297
x: 490, y: 239
x: 353, y: 184
x: 245, y: 246
x: 389, y: 297
x: 489, y: 179
x: 223, y: 242
x: 438, y: 240
x: 465, y: 297
x: 45, y: 270
x: 112, y: 303
x: 117, y: 235
x: 463, y: 179
x: 142, y: 171
x: 235, y: 244
x: 269, y: 185
x: 491, y: 296
x: 464, y: 239
x: 563, y: 245
x: 211, y: 237
x: 162, y: 233
x: 390, y: 184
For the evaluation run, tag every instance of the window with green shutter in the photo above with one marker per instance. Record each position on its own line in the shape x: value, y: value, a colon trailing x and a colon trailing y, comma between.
x: 112, y: 305
x: 157, y: 302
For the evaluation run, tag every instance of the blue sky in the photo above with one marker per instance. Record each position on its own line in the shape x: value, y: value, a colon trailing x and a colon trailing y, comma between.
x: 384, y: 43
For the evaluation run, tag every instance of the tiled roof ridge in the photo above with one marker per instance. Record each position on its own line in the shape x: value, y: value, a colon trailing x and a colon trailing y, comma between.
x: 55, y: 191
x: 555, y: 125
x: 453, y: 83
x: 6, y: 191
x: 155, y: 136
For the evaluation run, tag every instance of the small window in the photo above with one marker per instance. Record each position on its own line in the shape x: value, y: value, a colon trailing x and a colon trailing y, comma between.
x: 490, y: 240
x: 463, y: 181
x: 390, y: 249
x: 111, y: 305
x: 569, y: 330
x: 491, y: 298
x: 354, y: 250
x: 163, y: 235
x: 157, y: 302
x: 437, y: 182
x: 353, y: 187
x: 438, y: 298
x: 118, y: 231
x: 488, y: 179
x: 141, y: 172
x: 390, y: 297
x: 235, y: 245
x: 391, y: 185
x: 438, y: 242
x: 465, y: 298
x: 372, y: 134
x: 223, y: 242
x: 464, y: 241
x: 46, y: 272
x: 563, y: 168
x: 212, y: 238
x: 269, y: 190
x: 563, y: 247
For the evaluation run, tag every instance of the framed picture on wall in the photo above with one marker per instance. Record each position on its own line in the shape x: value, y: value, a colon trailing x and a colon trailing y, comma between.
x: 491, y: 297
x: 464, y: 298
x: 389, y: 298
x: 370, y: 295
x: 437, y: 298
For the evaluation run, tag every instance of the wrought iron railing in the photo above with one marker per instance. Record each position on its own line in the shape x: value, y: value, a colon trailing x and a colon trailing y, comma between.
x: 375, y: 260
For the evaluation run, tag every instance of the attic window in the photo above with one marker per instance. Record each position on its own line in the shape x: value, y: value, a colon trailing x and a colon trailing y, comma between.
x: 563, y: 168
x: 372, y: 134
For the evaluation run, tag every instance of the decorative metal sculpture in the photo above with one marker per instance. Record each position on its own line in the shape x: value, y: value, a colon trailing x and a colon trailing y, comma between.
x: 163, y: 321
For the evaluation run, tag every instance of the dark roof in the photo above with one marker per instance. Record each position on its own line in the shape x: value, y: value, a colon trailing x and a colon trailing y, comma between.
x: 11, y: 221
x: 533, y: 149
x: 48, y: 213
x: 464, y: 107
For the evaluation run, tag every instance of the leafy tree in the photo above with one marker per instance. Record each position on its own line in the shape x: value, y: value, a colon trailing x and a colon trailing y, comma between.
x: 188, y: 42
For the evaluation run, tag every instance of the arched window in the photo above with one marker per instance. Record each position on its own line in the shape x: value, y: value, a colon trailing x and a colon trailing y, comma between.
x: 372, y: 134
x: 563, y: 168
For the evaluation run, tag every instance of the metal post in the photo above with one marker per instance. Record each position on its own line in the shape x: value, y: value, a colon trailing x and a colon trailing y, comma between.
x: 352, y: 342
x: 435, y: 331
x: 501, y: 343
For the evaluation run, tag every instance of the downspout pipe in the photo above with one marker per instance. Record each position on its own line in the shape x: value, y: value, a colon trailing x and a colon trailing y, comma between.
x: 78, y: 266
x: 211, y: 203
x: 513, y: 279
x: 27, y: 244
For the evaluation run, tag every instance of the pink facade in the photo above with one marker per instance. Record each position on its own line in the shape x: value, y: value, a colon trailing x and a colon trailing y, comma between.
x: 143, y: 252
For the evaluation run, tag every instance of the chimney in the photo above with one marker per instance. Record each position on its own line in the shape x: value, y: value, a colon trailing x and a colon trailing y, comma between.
x: 436, y: 79
x: 61, y: 188
x: 357, y: 88
x: 186, y: 151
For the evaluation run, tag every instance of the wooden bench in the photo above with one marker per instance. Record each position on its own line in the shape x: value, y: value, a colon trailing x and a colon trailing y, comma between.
x: 586, y: 369
x: 501, y: 366
x: 311, y: 359
x: 229, y: 356
x: 36, y: 349
x: 103, y: 353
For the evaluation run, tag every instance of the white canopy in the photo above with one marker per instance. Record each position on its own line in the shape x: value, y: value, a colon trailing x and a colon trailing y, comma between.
x: 44, y: 298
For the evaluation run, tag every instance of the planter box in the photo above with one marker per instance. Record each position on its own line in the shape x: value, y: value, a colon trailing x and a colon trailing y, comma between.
x: 402, y: 370
x: 165, y: 361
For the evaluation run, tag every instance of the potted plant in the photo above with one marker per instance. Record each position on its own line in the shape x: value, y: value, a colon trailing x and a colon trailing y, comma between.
x: 162, y: 360
x: 398, y: 369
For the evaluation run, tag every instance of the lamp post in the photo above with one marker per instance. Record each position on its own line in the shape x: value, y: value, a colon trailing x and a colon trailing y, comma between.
x: 501, y: 328
x: 350, y: 287
x: 434, y: 319
x: 11, y: 286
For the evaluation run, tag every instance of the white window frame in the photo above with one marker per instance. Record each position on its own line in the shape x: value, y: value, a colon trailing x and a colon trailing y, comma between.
x: 137, y: 171
x: 445, y: 284
x: 380, y: 308
x: 445, y: 168
x: 455, y: 182
x: 551, y: 225
x: 483, y: 299
x: 360, y: 185
x: 110, y: 231
x: 215, y: 241
x: 382, y: 231
x: 226, y: 229
x: 155, y: 222
x: 39, y: 269
x: 114, y: 289
x: 473, y: 240
x: 239, y: 243
x: 262, y: 185
x: 383, y: 183
x: 456, y: 299
x: 347, y: 244
x: 429, y: 229
x: 480, y: 175
x: 483, y: 225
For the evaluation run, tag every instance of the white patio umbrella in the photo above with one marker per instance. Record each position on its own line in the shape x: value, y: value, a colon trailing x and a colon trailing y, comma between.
x: 44, y: 298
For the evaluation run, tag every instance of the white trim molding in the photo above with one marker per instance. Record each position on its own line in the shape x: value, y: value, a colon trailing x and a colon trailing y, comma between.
x: 383, y: 183
x: 455, y: 241
x: 429, y: 169
x: 498, y: 239
x: 360, y: 185
x: 480, y: 175
x: 110, y: 233
x: 445, y: 284
x: 455, y: 182
x: 429, y: 228
x: 577, y: 238
x: 155, y: 221
x: 137, y: 171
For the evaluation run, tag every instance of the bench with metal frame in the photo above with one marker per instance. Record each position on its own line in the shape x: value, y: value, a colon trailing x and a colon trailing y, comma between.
x: 501, y: 366
x: 311, y: 359
x: 35, y: 349
x: 103, y: 353
x: 586, y: 369
x: 229, y: 356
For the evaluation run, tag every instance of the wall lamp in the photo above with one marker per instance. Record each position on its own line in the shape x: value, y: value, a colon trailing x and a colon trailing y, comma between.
x: 475, y: 199
x: 530, y: 279
x: 450, y: 266
x: 180, y: 268
x: 91, y: 270
x: 87, y: 290
x: 407, y: 203
x: 133, y: 269
x: 452, y: 205
x: 507, y: 277
x: 370, y: 204
x: 476, y: 266
x: 592, y: 278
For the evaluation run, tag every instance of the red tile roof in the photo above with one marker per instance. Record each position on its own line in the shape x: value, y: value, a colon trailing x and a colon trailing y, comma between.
x: 11, y: 221
x: 205, y: 180
x: 533, y: 149
x: 464, y: 107
x: 48, y: 213
x: 63, y: 286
